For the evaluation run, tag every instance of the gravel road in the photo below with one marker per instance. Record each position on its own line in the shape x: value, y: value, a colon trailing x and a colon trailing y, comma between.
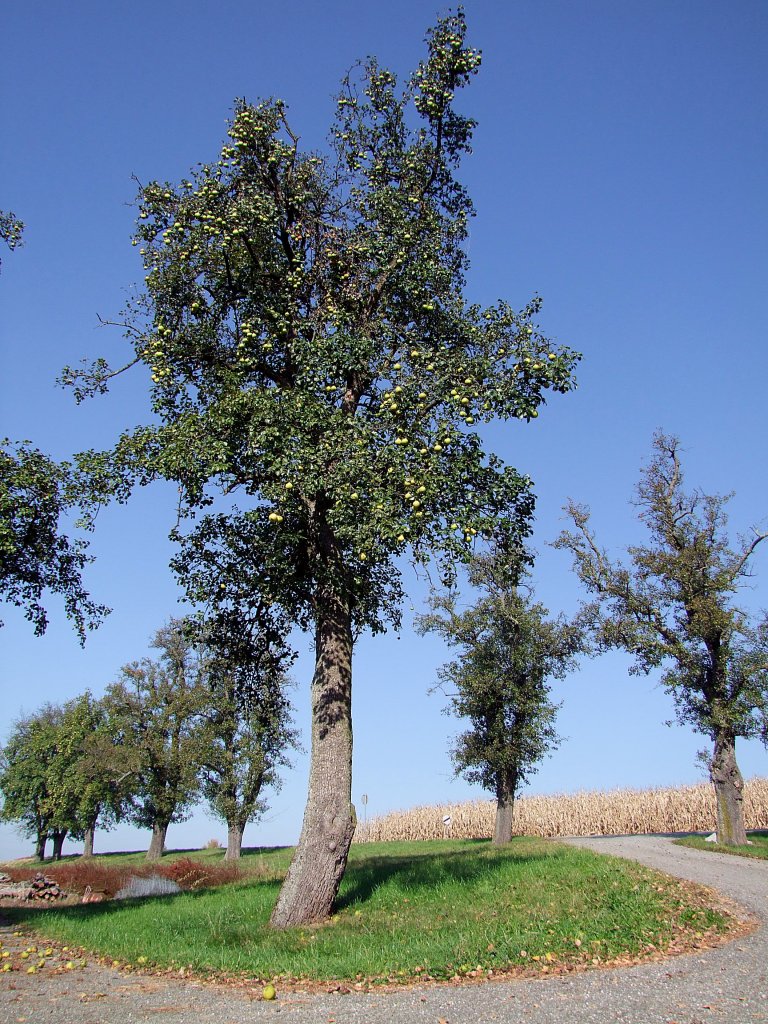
x: 728, y: 985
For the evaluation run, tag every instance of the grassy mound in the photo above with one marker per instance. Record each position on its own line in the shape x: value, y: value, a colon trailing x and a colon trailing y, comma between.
x: 406, y: 911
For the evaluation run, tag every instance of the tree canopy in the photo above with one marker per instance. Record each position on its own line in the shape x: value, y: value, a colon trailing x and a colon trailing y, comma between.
x: 36, y: 494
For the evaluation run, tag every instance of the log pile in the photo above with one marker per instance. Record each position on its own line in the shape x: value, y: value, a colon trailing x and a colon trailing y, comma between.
x: 40, y: 888
x: 43, y: 888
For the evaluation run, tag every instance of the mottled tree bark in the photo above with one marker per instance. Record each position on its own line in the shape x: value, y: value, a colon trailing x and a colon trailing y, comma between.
x: 40, y: 843
x: 729, y: 790
x: 234, y: 840
x: 88, y: 841
x: 315, y: 874
x: 157, y: 845
x: 506, y: 786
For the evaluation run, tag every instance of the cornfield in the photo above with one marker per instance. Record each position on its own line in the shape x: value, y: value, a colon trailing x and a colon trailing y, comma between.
x: 619, y: 812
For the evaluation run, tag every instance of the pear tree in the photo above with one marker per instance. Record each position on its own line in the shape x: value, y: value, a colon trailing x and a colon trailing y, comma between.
x: 508, y: 651
x: 313, y: 357
x: 672, y: 606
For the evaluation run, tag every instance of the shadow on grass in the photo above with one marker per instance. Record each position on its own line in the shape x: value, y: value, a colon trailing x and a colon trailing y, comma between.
x: 35, y: 916
x: 408, y: 873
x: 74, y: 858
x: 366, y: 875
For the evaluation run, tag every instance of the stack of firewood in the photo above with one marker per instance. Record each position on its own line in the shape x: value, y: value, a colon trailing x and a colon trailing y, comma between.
x: 43, y: 888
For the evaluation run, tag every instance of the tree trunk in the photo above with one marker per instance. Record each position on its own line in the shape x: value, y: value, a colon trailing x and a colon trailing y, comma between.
x: 42, y: 839
x: 88, y: 835
x: 729, y: 790
x: 318, y: 864
x: 506, y: 786
x: 59, y: 835
x: 157, y: 846
x: 234, y: 840
x: 88, y: 842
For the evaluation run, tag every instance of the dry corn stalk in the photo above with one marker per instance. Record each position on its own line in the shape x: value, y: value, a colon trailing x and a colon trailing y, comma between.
x: 618, y: 812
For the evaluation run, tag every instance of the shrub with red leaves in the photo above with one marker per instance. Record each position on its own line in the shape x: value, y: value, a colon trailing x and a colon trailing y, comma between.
x: 76, y: 876
x: 194, y: 874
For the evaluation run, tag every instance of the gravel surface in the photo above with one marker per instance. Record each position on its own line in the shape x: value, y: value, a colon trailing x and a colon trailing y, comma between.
x: 728, y: 985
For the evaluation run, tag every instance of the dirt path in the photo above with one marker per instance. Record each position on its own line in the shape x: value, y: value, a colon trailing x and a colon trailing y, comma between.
x: 728, y: 985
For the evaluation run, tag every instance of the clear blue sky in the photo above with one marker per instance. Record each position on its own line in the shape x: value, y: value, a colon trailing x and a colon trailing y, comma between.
x: 620, y: 169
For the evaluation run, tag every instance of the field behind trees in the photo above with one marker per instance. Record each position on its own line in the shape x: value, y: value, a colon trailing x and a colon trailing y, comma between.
x: 618, y: 812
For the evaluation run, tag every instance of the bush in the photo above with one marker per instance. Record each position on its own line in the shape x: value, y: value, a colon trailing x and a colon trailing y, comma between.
x: 194, y: 874
x: 76, y: 876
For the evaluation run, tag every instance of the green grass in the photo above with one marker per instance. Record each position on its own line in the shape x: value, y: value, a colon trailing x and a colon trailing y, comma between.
x: 405, y: 910
x: 758, y: 849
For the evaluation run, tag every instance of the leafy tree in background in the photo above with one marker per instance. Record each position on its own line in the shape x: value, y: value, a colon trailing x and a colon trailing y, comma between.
x: 249, y: 731
x: 155, y: 711
x: 57, y: 776
x: 672, y: 607
x: 248, y: 726
x: 508, y: 650
x: 25, y: 775
x: 88, y: 771
x: 311, y: 348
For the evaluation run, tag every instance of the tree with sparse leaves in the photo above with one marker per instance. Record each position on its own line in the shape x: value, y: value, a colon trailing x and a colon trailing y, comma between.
x: 508, y: 651
x: 249, y: 731
x: 311, y: 349
x: 672, y: 607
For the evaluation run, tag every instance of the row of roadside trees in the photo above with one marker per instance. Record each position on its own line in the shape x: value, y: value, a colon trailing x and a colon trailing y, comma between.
x: 671, y: 604
x: 170, y: 731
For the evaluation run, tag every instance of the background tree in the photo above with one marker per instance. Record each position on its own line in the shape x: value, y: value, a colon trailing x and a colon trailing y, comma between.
x: 508, y: 650
x: 156, y: 711
x: 25, y: 775
x: 248, y: 718
x: 249, y: 732
x: 310, y: 346
x: 36, y: 494
x: 87, y: 772
x: 58, y: 774
x: 673, y: 606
